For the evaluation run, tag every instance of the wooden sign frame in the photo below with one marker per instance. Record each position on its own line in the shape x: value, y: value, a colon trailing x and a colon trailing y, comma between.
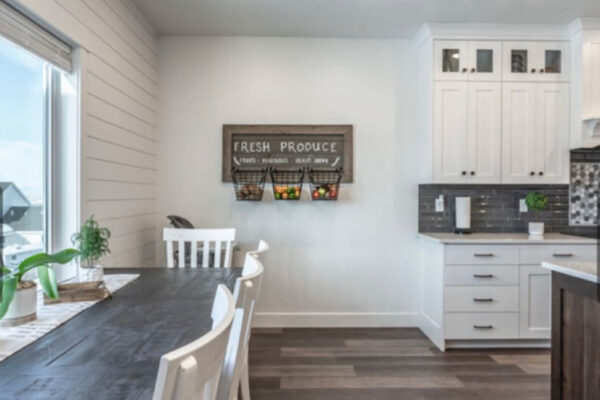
x: 294, y: 131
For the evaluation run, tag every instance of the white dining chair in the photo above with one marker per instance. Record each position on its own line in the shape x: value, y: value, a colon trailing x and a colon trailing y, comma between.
x: 263, y: 247
x: 235, y: 367
x: 193, y: 371
x: 222, y: 239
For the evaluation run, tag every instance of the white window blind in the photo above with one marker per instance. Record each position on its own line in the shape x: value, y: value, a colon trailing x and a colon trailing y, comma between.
x: 24, y: 32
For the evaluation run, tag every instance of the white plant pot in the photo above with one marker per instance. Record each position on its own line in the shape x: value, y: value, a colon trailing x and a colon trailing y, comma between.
x: 536, y: 230
x: 23, y: 306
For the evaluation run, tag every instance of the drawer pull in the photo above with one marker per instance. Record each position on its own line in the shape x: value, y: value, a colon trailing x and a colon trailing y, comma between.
x: 562, y: 255
x: 487, y: 300
x: 482, y: 326
x: 483, y: 275
x: 483, y: 255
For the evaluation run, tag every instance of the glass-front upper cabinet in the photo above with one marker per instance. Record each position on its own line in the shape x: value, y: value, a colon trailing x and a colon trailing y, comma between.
x: 467, y: 60
x: 485, y: 61
x: 536, y: 61
x: 450, y: 60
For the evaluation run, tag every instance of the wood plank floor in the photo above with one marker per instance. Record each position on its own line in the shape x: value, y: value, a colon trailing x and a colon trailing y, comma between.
x: 387, y: 364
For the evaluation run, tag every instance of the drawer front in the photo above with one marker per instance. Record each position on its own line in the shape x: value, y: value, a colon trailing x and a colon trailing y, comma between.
x: 482, y: 254
x: 536, y: 254
x: 482, y: 275
x: 481, y: 325
x: 481, y: 298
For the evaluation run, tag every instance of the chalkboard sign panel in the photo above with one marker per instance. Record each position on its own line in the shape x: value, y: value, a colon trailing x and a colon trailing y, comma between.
x: 287, y: 147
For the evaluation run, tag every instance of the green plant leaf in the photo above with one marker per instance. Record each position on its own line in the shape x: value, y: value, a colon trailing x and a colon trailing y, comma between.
x: 47, y: 278
x: 536, y: 201
x: 92, y: 241
x: 62, y: 257
x: 9, y: 287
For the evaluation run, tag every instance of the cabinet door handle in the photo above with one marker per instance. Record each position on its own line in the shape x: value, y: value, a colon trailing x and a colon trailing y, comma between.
x: 464, y: 70
x: 542, y: 71
x: 562, y: 255
x: 472, y: 172
x: 483, y: 255
x: 483, y: 276
x: 482, y: 326
x: 473, y: 70
x: 540, y: 173
x: 464, y: 172
x: 487, y: 300
x: 533, y: 70
x: 532, y: 173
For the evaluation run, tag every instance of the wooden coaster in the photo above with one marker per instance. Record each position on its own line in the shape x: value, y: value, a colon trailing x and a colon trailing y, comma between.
x: 79, y: 291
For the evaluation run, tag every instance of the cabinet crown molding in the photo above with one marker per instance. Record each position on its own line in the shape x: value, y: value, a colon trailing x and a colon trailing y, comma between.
x: 584, y: 24
x: 460, y: 31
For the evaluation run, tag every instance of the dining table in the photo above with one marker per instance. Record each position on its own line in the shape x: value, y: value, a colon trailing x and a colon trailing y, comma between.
x: 112, y: 349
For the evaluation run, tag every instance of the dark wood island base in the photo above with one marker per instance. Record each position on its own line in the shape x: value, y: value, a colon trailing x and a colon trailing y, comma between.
x: 575, y: 339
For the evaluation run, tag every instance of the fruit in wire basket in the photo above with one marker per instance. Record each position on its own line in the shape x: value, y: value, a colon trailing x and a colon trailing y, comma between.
x: 325, y: 192
x: 286, y: 192
x: 250, y: 192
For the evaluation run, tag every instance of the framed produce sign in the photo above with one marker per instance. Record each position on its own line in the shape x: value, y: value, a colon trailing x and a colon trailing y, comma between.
x: 287, y: 147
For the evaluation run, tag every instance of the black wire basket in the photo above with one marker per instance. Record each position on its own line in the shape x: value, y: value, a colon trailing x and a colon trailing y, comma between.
x: 325, y: 183
x: 287, y: 184
x: 249, y: 184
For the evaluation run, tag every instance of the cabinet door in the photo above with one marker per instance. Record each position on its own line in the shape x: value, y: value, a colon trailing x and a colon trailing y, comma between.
x: 519, y: 61
x: 484, y: 61
x: 450, y: 132
x: 553, y: 62
x: 535, y: 295
x: 450, y: 60
x: 552, y: 132
x: 484, y: 131
x: 518, y: 132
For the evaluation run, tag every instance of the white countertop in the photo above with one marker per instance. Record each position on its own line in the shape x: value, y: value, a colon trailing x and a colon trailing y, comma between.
x: 581, y: 270
x: 504, y: 238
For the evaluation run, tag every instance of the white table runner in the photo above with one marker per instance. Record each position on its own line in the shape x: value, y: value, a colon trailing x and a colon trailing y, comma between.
x: 49, y: 317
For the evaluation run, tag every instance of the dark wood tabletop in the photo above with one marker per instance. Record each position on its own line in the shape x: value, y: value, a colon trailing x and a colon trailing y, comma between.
x: 112, y: 350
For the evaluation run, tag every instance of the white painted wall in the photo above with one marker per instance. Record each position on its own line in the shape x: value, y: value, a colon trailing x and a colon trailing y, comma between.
x: 118, y: 118
x: 350, y: 262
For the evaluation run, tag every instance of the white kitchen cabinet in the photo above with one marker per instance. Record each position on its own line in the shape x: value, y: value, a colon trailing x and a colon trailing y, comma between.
x: 450, y: 60
x: 536, y: 61
x: 535, y: 298
x: 450, y: 132
x: 585, y: 86
x: 484, y: 130
x: 467, y: 129
x: 491, y: 293
x: 535, y: 132
x: 552, y: 131
x: 478, y: 60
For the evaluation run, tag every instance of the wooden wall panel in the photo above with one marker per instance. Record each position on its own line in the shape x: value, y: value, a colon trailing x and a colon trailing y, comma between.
x: 118, y: 121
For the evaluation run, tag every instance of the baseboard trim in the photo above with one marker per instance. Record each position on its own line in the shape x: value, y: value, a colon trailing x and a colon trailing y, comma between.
x: 335, y: 320
x: 499, y: 344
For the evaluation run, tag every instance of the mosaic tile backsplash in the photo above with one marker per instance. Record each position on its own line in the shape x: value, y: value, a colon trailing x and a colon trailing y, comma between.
x: 584, y: 188
x: 583, y: 192
x: 495, y: 208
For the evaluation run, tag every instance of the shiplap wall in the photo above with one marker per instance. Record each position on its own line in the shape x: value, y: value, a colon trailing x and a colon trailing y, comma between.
x: 118, y: 119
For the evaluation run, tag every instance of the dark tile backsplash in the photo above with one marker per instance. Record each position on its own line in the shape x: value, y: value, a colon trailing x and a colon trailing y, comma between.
x: 495, y: 208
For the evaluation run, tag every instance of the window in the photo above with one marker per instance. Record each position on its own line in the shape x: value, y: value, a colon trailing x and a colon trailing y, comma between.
x: 24, y: 137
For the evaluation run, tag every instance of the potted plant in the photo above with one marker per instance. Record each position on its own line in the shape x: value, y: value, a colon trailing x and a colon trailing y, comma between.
x: 92, y: 243
x: 18, y: 297
x: 536, y: 201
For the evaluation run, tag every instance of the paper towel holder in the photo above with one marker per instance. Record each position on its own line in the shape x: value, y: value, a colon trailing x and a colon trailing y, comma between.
x: 462, y: 215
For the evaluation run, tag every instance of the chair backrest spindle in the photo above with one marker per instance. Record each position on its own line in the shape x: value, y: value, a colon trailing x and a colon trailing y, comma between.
x: 214, y: 243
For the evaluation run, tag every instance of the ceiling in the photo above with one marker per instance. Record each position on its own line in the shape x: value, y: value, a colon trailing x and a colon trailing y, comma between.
x: 349, y: 18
